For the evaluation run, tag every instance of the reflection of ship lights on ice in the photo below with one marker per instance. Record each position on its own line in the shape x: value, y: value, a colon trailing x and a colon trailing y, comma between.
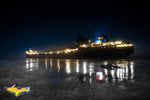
x: 32, y: 64
x: 51, y: 63
x: 91, y: 69
x: 46, y: 63
x: 84, y: 68
x: 99, y: 76
x: 116, y: 72
x: 77, y: 66
x: 68, y: 70
x: 58, y: 65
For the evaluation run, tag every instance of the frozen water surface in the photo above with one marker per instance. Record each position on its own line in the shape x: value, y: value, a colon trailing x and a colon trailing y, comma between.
x: 77, y: 79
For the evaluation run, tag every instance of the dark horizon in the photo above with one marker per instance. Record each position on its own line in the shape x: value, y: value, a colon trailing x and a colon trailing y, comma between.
x: 39, y: 24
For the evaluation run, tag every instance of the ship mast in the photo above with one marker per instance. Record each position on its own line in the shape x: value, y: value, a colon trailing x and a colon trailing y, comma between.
x: 88, y: 32
x: 89, y: 41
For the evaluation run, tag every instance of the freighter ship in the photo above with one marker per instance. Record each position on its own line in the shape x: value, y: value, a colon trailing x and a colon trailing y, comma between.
x: 101, y: 48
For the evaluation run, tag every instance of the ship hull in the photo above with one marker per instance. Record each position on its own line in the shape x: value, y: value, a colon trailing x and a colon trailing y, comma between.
x: 90, y: 53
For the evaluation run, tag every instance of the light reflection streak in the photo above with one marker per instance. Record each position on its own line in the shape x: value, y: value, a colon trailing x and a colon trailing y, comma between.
x: 120, y: 74
x: 112, y: 73
x: 58, y: 65
x: 32, y: 64
x: 77, y: 66
x: 46, y: 63
x: 126, y: 72
x: 51, y: 64
x: 84, y: 68
x: 91, y: 69
x: 27, y: 63
x: 132, y: 70
x: 105, y: 71
x: 68, y: 71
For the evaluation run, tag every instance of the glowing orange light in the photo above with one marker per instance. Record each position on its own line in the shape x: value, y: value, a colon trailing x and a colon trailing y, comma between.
x: 100, y: 38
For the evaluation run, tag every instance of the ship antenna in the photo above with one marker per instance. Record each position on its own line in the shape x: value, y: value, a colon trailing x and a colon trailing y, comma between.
x: 88, y: 32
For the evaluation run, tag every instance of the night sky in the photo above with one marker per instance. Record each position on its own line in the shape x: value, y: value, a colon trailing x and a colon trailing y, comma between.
x: 38, y: 24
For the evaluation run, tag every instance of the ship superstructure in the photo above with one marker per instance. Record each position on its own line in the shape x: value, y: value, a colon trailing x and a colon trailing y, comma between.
x: 98, y: 49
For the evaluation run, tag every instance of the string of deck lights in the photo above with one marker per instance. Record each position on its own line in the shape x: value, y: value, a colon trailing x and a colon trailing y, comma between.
x: 117, y: 44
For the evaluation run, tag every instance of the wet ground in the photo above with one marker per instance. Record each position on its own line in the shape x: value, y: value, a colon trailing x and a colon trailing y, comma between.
x: 77, y: 79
